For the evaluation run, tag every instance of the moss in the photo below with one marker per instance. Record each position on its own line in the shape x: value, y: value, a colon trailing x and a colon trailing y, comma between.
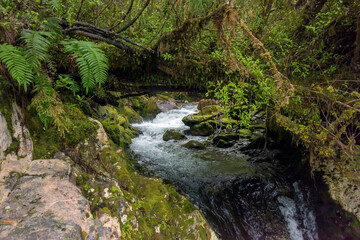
x: 172, y: 134
x: 14, y: 146
x: 245, y: 133
x: 48, y: 141
x: 84, y: 234
x: 150, y: 109
x: 118, y: 127
x: 210, y: 110
x: 138, y: 103
x: 132, y: 115
x: 188, y: 207
x: 194, y: 144
x: 202, y: 129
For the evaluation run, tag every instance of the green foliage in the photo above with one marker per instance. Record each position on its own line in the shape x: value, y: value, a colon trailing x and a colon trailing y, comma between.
x: 17, y: 64
x: 66, y: 81
x: 36, y: 46
x: 91, y: 61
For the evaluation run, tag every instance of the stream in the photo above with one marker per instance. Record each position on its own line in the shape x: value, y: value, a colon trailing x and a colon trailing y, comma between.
x: 240, y: 199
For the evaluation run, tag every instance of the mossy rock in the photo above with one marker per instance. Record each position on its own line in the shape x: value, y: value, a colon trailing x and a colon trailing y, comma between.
x: 115, y: 117
x: 118, y: 127
x: 226, y: 137
x: 194, y: 119
x: 173, y: 134
x: 224, y: 144
x: 245, y: 133
x: 206, y: 102
x: 210, y: 110
x: 132, y: 115
x: 138, y: 103
x: 48, y: 141
x: 202, y: 129
x: 150, y: 109
x: 194, y: 144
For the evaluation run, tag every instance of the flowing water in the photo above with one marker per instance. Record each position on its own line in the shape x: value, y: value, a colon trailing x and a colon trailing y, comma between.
x: 240, y: 199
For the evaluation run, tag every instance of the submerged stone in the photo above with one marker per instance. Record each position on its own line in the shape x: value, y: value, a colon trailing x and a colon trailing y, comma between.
x: 173, y: 134
x: 194, y: 144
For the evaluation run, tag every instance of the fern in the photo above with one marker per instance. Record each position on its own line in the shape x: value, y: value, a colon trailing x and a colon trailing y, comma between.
x: 36, y: 46
x: 66, y: 81
x: 17, y: 64
x: 91, y: 61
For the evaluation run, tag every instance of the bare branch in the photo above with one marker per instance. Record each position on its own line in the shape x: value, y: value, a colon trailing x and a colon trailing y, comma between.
x: 124, y: 16
x: 135, y: 18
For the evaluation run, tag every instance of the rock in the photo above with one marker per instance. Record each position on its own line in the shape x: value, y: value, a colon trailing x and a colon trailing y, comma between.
x: 194, y: 144
x: 39, y: 206
x: 54, y: 167
x: 206, y: 102
x: 16, y: 161
x: 202, y: 129
x: 167, y: 105
x: 190, y: 120
x: 150, y: 109
x: 111, y: 227
x: 210, y: 110
x: 224, y: 144
x: 5, y: 137
x: 226, y: 137
x: 173, y: 134
x: 132, y: 115
x: 245, y: 133
x: 194, y: 119
x: 118, y: 128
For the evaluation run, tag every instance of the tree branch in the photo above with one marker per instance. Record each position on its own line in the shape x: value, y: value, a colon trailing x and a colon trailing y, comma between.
x: 124, y: 16
x: 134, y: 19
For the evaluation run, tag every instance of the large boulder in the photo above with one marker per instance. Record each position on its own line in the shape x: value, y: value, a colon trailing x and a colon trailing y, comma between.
x: 166, y: 104
x: 202, y: 129
x: 194, y: 144
x: 132, y: 115
x: 172, y: 134
x: 151, y: 109
x: 118, y: 127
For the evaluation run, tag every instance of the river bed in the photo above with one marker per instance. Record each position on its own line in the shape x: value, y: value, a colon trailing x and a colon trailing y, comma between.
x: 240, y: 199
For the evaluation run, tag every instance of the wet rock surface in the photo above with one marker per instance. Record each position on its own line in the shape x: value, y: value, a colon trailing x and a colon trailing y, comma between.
x: 172, y: 134
x: 192, y: 144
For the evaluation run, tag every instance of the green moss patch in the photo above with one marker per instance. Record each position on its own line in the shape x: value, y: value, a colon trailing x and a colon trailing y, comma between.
x: 48, y: 141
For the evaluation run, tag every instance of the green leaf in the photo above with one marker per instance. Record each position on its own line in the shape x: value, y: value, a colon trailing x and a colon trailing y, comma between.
x: 17, y: 64
x: 91, y: 61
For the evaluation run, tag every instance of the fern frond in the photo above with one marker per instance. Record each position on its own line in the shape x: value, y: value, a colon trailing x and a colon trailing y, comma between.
x: 91, y: 61
x: 67, y: 82
x: 36, y: 46
x: 17, y: 64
